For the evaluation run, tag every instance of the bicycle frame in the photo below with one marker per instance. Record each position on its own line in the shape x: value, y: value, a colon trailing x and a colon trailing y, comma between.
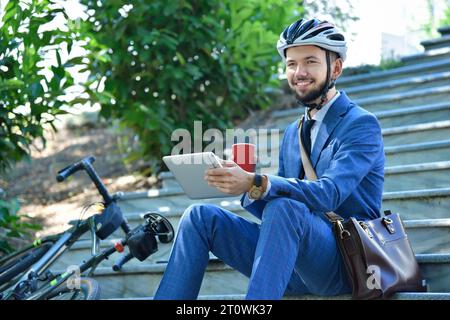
x: 66, y: 239
x: 61, y: 245
x: 64, y: 242
x: 92, y: 263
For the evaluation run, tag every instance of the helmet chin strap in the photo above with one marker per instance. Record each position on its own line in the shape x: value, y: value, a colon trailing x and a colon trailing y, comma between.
x: 326, y: 87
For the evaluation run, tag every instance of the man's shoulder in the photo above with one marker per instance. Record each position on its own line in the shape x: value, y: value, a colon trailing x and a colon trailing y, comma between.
x: 355, y: 112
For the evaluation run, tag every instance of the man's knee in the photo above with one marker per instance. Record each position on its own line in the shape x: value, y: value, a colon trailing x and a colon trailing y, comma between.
x: 198, y: 213
x: 287, y: 211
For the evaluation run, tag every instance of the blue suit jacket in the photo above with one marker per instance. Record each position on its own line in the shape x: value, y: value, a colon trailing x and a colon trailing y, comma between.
x: 348, y: 157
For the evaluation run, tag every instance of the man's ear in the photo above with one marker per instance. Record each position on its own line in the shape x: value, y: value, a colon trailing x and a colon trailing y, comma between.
x: 337, y: 68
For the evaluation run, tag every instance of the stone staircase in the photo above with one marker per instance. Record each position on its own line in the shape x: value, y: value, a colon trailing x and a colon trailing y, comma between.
x: 412, y: 103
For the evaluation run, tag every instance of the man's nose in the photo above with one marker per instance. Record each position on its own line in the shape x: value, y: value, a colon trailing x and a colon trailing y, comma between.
x: 300, y: 72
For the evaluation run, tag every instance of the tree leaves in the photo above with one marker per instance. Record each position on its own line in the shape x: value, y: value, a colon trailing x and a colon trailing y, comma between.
x: 168, y: 62
x: 13, y: 224
x: 24, y: 50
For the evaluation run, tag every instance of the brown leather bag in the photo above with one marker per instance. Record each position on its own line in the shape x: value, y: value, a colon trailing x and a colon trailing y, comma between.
x: 377, y: 253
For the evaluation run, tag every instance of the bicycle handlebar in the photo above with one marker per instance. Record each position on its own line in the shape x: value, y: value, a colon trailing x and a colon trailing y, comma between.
x: 71, y: 169
x: 85, y: 164
x: 123, y: 259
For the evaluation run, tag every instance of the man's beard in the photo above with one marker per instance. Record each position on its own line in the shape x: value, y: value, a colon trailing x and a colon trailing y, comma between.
x: 311, y: 96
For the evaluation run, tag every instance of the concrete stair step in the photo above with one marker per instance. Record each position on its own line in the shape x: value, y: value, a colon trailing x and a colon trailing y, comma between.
x: 437, y: 43
x: 417, y: 153
x: 405, y: 99
x: 416, y: 133
x: 414, y: 204
x: 400, y: 85
x: 82, y: 249
x: 414, y: 115
x: 396, y: 73
x: 429, y: 235
x: 425, y: 235
x: 427, y: 56
x: 419, y: 133
x: 388, y: 118
x: 397, y: 296
x: 430, y: 175
x: 419, y: 204
x: 171, y: 207
x: 143, y: 280
x: 173, y: 202
x: 444, y: 31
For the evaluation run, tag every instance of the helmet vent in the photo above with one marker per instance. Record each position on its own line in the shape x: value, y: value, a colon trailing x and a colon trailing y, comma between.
x: 316, y: 32
x: 336, y: 36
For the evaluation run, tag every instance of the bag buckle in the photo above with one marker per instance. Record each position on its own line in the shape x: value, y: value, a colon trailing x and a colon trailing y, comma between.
x: 342, y: 231
x: 365, y: 227
x: 388, y: 223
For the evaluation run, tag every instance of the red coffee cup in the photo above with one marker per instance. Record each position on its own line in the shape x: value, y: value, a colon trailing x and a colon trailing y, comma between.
x: 243, y: 154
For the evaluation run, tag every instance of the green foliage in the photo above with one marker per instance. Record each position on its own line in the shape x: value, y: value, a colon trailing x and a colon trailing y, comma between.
x: 446, y: 20
x: 30, y: 90
x: 341, y: 15
x: 155, y: 65
x: 165, y: 64
x: 386, y: 64
x: 432, y: 25
x: 13, y: 225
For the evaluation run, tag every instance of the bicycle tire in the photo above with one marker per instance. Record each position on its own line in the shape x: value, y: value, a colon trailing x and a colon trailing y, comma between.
x: 89, y: 290
x: 22, y: 262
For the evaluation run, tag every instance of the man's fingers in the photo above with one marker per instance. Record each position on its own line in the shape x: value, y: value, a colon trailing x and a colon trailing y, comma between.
x: 216, y: 179
x: 217, y: 172
x: 222, y: 186
x: 219, y: 184
x: 229, y: 163
x: 225, y: 190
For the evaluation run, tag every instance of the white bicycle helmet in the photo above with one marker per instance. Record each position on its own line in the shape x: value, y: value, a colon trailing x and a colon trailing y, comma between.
x: 312, y: 32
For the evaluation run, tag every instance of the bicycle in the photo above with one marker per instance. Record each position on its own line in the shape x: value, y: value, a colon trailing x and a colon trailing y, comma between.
x: 25, y: 275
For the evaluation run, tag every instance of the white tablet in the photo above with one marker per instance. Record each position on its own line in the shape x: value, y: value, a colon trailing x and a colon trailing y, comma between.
x: 189, y: 170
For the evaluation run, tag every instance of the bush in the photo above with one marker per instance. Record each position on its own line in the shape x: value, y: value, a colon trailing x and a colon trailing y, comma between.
x: 14, y: 228
x: 166, y: 64
x: 30, y: 89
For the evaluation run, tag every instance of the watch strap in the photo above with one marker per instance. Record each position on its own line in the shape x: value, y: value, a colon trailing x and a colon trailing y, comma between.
x: 257, y: 181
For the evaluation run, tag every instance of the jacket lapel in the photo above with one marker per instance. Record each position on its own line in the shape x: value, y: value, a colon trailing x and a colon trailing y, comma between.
x: 331, y: 120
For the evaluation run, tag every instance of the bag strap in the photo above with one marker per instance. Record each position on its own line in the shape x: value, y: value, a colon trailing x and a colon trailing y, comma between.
x: 310, y: 173
x: 307, y: 166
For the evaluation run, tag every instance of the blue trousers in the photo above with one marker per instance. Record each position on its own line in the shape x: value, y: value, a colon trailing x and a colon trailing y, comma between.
x: 292, y: 252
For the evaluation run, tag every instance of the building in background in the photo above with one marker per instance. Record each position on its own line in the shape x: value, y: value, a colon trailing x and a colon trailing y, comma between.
x: 393, y: 46
x: 389, y: 29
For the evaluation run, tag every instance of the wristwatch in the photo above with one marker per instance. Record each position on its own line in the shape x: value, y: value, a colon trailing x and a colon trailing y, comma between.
x: 256, y: 191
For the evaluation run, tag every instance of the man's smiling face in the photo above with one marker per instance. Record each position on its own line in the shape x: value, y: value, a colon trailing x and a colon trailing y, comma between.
x: 306, y: 71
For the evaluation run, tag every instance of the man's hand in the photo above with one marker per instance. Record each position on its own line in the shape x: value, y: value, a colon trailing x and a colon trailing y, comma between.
x: 230, y: 179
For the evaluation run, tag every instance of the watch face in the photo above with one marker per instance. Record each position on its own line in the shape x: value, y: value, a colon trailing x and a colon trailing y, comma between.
x: 255, y: 193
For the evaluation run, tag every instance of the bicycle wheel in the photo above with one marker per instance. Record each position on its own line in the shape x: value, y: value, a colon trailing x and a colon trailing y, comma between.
x: 18, y: 263
x: 89, y: 289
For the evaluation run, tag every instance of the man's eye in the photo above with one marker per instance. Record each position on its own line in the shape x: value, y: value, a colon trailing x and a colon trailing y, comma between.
x: 310, y: 61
